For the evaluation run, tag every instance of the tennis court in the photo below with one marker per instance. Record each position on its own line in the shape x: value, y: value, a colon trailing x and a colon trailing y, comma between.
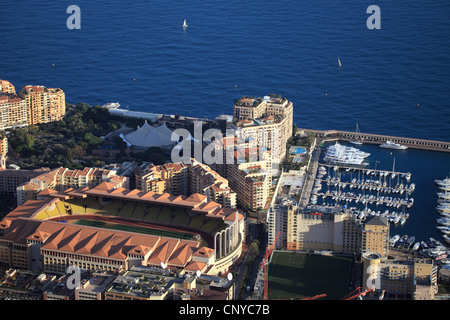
x: 299, y: 275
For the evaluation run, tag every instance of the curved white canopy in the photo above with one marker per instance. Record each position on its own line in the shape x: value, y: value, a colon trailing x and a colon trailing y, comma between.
x: 149, y: 136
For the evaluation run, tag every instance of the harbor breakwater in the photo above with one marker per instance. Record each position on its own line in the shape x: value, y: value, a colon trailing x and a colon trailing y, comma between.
x: 329, y: 135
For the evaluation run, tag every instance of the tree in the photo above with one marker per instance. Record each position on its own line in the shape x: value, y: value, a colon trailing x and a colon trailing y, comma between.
x: 21, y: 140
x: 78, y: 152
x: 120, y: 144
x: 91, y: 139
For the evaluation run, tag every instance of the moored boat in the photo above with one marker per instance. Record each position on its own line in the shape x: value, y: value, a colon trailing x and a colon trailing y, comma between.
x: 402, y: 240
x: 424, y: 245
x: 446, y: 238
x: 394, y: 240
x: 392, y: 145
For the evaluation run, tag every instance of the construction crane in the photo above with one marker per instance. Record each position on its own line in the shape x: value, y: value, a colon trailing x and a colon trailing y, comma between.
x: 358, y: 292
x: 307, y: 298
x: 323, y: 295
x: 266, y: 267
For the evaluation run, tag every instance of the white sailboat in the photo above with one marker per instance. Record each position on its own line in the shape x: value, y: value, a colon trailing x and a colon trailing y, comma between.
x: 339, y: 62
x: 358, y: 139
x: 185, y: 24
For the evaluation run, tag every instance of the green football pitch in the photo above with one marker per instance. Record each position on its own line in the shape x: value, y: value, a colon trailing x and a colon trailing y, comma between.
x: 298, y: 276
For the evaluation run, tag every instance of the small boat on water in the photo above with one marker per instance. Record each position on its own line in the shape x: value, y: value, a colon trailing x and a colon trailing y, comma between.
x: 430, y: 243
x: 111, y: 105
x: 446, y: 238
x: 185, y: 24
x: 437, y: 243
x: 424, y: 245
x: 409, y: 242
x: 443, y: 208
x: 402, y: 240
x: 416, y: 246
x: 444, y: 229
x: 441, y: 255
x: 358, y: 138
x: 444, y: 195
x: 392, y: 145
x: 443, y: 183
x: 444, y: 221
x: 394, y: 240
x: 402, y: 220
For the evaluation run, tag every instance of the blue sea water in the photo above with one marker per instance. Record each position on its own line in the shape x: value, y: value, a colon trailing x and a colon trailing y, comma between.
x: 395, y: 80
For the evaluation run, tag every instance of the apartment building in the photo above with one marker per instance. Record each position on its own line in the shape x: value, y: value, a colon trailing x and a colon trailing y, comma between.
x: 268, y: 121
x: 13, y: 112
x: 315, y: 229
x: 252, y: 182
x: 399, y: 279
x: 204, y: 180
x: 32, y: 105
x: 64, y: 178
x: 94, y: 287
x: 6, y: 87
x: 279, y: 217
x: 186, y: 179
x: 222, y: 153
x: 170, y: 178
x: 375, y: 236
x: 247, y: 167
x: 43, y: 104
x: 3, y: 149
x: 10, y: 179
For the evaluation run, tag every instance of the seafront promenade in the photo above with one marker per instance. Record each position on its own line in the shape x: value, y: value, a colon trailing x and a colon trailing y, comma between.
x: 330, y: 135
x: 117, y: 111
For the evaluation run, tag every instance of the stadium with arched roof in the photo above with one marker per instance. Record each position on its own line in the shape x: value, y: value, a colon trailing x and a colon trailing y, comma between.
x: 176, y: 222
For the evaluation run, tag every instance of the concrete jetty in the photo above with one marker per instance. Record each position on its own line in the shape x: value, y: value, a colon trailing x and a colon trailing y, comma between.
x: 330, y: 135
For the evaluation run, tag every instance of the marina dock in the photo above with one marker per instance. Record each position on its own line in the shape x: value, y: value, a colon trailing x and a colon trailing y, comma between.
x: 365, y: 187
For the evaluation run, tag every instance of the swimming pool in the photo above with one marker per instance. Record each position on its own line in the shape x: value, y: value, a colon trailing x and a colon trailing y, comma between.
x: 297, y: 150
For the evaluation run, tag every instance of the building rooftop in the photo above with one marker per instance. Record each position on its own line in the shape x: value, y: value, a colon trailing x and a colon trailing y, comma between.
x: 377, y: 220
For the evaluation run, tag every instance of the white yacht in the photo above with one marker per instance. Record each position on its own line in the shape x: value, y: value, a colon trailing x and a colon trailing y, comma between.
x: 443, y: 208
x: 443, y: 183
x: 444, y: 195
x: 444, y: 221
x: 111, y: 105
x: 408, y: 176
x: 392, y: 145
x: 444, y: 229
x: 446, y: 238
x: 343, y: 155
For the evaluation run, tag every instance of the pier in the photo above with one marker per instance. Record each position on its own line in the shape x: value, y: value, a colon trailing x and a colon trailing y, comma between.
x: 368, y: 180
x: 339, y: 135
x: 388, y: 190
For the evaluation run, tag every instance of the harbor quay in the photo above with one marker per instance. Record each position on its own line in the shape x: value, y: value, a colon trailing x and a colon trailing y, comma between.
x: 371, y: 138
